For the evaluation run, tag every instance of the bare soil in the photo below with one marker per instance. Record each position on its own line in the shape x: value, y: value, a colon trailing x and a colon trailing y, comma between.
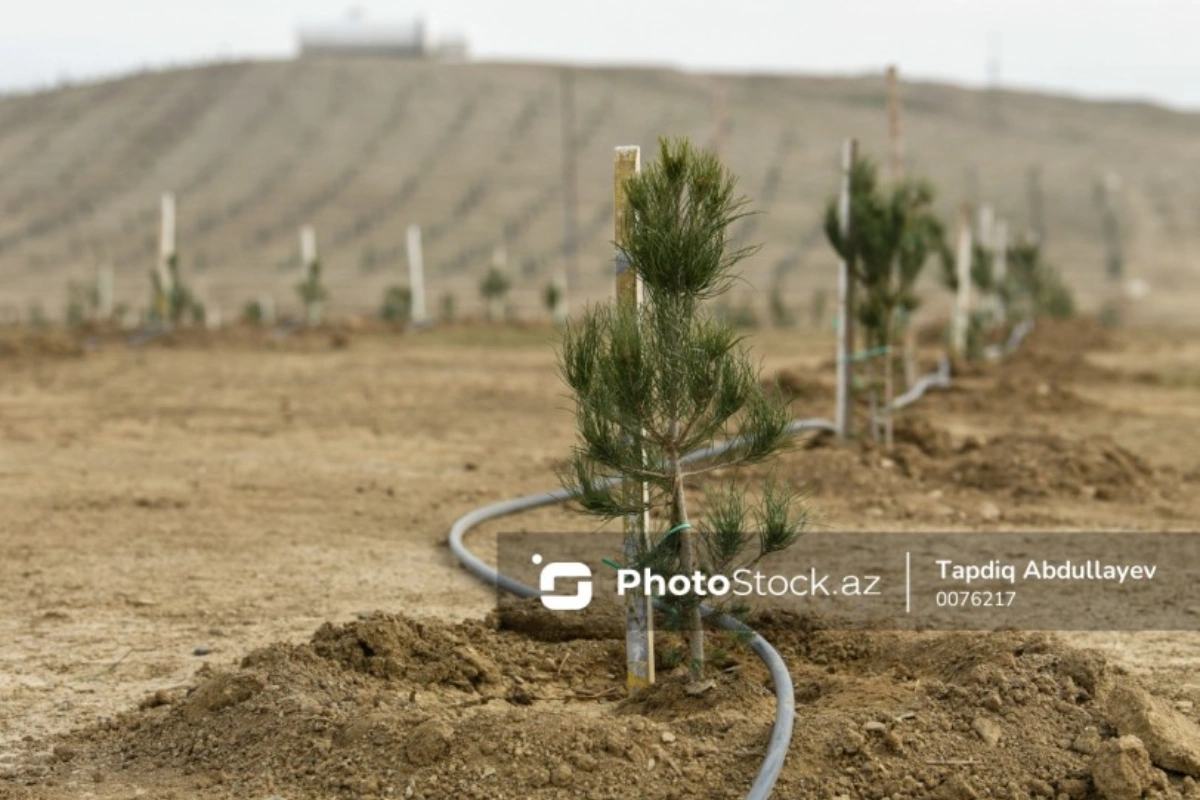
x: 199, y: 533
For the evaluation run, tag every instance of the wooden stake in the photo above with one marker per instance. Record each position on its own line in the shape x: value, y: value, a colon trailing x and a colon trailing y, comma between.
x: 266, y: 306
x: 962, y: 266
x: 720, y: 116
x: 1000, y: 266
x: 416, y: 274
x: 845, y: 332
x: 987, y: 226
x: 308, y: 247
x: 559, y: 312
x: 910, y: 355
x: 570, y: 179
x: 639, y: 612
x: 166, y: 251
x: 308, y: 263
x: 1109, y: 188
x: 895, y: 133
x: 1037, y: 203
x: 166, y: 238
x: 104, y: 292
x: 496, y: 306
x: 896, y: 151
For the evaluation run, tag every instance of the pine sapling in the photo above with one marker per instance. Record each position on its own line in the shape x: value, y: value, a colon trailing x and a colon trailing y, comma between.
x: 894, y: 233
x: 78, y: 303
x: 172, y: 299
x: 552, y: 297
x: 1032, y: 287
x: 817, y: 307
x: 312, y: 291
x: 781, y: 315
x: 252, y: 312
x: 1027, y: 288
x: 448, y: 307
x: 494, y: 288
x: 656, y: 381
x: 397, y: 305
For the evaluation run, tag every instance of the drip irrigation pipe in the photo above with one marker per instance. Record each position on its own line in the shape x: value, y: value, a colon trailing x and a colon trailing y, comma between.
x: 785, y: 698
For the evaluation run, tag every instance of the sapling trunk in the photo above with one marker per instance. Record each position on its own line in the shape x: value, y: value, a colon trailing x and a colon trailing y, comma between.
x: 910, y: 356
x: 104, y: 293
x: 889, y: 389
x: 873, y: 410
x: 416, y: 275
x: 687, y: 563
x: 962, y: 301
x: 893, y: 234
x: 838, y: 225
x: 312, y: 292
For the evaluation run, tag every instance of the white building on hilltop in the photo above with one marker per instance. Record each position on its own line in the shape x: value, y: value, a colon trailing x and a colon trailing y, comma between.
x: 357, y: 36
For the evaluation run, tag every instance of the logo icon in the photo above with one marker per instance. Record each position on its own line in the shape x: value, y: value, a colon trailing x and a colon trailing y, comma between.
x: 564, y: 569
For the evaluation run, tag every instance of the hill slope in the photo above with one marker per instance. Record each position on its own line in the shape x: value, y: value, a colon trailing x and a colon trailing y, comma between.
x: 360, y: 149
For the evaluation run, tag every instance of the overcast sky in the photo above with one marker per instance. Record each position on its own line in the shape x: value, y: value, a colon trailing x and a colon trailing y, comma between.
x: 1099, y: 48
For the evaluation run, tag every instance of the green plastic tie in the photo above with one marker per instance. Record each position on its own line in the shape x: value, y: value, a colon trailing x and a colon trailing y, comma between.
x: 683, y: 526
x: 871, y: 353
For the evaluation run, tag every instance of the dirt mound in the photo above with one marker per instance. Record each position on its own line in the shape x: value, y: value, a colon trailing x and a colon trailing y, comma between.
x: 406, y: 651
x: 933, y: 333
x: 1076, y: 335
x: 1046, y: 465
x: 385, y: 706
x: 1054, y: 350
x: 1035, y: 365
x: 391, y: 707
x: 1008, y: 715
x: 797, y: 385
x: 530, y: 618
x: 916, y: 430
x: 40, y: 345
x: 1010, y: 394
x: 1019, y: 465
x: 1057, y: 350
x: 807, y: 391
x: 1040, y: 396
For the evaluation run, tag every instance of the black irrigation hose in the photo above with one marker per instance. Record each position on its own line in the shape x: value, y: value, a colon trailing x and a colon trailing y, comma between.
x: 785, y: 698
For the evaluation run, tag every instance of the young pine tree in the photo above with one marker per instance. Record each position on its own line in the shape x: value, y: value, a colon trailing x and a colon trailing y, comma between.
x: 781, y: 315
x: 172, y: 300
x: 656, y: 382
x: 493, y: 288
x: 313, y: 293
x: 397, y: 305
x: 552, y: 299
x: 892, y: 235
x: 1033, y: 287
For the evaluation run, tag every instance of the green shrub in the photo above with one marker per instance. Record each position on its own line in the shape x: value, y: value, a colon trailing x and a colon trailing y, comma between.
x: 494, y: 288
x: 397, y: 305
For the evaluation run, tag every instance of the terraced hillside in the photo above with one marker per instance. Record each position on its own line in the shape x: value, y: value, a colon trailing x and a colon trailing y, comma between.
x: 359, y: 149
